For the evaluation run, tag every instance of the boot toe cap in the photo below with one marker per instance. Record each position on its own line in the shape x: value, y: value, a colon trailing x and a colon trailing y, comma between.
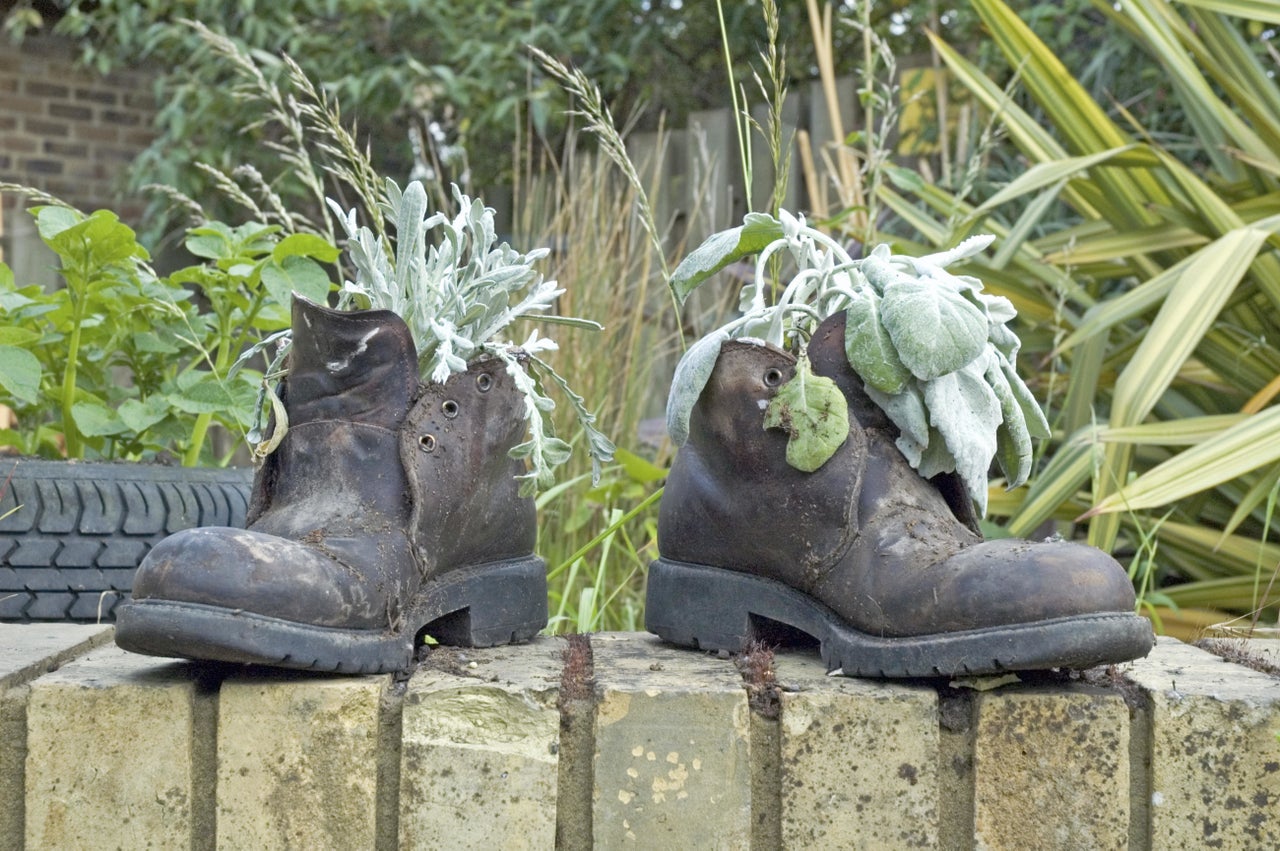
x: 244, y: 570
x: 1011, y: 581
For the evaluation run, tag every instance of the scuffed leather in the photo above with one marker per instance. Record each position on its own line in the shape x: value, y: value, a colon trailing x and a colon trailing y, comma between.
x: 466, y: 503
x: 341, y: 533
x: 864, y: 534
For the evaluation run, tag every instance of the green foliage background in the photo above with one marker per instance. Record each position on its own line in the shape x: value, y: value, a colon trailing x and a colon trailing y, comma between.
x: 1127, y: 160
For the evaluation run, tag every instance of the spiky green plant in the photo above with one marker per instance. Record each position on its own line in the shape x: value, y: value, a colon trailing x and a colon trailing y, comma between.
x: 1152, y: 280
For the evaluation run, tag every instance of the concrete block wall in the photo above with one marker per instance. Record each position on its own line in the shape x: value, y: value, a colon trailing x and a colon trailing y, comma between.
x: 619, y: 741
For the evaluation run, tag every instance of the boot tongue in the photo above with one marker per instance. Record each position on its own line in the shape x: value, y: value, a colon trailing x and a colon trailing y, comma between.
x: 359, y: 366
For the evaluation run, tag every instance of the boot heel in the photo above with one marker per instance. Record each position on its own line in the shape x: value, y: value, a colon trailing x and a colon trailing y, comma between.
x: 696, y: 606
x: 486, y: 605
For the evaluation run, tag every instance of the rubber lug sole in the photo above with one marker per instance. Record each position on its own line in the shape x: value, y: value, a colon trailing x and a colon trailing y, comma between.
x: 481, y: 606
x: 717, y: 609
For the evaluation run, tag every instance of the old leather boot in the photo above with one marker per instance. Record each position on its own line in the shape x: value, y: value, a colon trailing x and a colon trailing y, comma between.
x: 863, y: 554
x: 390, y: 509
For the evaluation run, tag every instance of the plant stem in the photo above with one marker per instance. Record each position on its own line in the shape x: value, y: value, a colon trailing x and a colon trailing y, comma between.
x: 743, y: 140
x: 69, y: 431
x: 201, y: 428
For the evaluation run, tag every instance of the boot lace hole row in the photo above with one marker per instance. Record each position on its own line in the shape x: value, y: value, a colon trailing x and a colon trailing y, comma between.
x: 427, y: 443
x: 483, y: 382
x: 450, y: 408
x: 773, y: 377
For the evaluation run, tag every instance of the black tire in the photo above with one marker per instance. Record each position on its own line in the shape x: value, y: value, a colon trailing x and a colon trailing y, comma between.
x: 73, y: 533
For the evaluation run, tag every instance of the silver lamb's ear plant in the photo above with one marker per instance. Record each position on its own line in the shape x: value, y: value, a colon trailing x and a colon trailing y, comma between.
x: 459, y: 294
x: 932, y: 349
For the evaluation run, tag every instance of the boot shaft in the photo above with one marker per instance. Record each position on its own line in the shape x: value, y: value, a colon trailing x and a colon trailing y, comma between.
x: 351, y: 378
x: 732, y: 498
x: 454, y: 443
x: 370, y: 449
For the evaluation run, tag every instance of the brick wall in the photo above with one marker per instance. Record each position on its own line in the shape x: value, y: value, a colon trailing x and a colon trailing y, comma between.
x: 68, y: 130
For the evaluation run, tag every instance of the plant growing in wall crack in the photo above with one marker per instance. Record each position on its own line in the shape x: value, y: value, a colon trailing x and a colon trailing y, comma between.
x: 933, y: 350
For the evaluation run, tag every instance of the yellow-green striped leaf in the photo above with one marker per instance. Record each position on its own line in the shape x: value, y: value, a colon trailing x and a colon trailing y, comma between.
x: 1247, y: 446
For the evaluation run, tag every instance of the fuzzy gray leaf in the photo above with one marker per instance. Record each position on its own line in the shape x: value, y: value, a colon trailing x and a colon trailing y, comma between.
x: 870, y: 350
x: 965, y: 410
x: 934, y: 330
x: 907, y: 412
x: 691, y: 376
x: 1013, y: 440
x: 1033, y: 416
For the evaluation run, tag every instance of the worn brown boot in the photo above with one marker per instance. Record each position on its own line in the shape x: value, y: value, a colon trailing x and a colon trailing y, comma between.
x: 863, y: 554
x: 389, y: 510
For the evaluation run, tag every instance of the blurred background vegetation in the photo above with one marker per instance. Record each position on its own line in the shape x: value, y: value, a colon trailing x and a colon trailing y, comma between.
x: 1127, y: 160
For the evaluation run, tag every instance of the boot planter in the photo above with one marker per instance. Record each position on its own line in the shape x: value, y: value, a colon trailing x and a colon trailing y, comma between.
x: 864, y: 554
x: 780, y: 520
x: 389, y: 510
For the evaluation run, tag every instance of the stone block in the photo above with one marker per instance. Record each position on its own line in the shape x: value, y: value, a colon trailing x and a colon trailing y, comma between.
x: 109, y: 754
x: 29, y: 650
x: 1215, y: 749
x: 297, y: 761
x: 479, y: 748
x: 26, y: 651
x: 1051, y: 768
x: 859, y: 759
x: 672, y: 747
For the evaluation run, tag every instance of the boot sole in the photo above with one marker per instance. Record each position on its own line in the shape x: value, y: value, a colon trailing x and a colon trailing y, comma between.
x: 482, y: 606
x: 712, y: 608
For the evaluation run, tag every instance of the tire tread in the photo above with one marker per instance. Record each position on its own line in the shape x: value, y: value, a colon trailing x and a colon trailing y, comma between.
x: 70, y: 551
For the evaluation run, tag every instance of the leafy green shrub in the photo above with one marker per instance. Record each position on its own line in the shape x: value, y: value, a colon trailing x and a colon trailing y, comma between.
x: 124, y: 363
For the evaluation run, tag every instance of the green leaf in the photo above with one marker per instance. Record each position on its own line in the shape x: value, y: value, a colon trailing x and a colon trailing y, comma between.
x: 1251, y: 445
x: 6, y: 278
x: 639, y: 469
x: 934, y: 330
x: 815, y: 415
x: 1186, y: 314
x: 149, y: 341
x: 1045, y: 174
x: 95, y: 419
x: 295, y: 274
x: 16, y: 335
x: 96, y: 242
x: 207, y: 395
x: 53, y: 220
x: 723, y: 248
x: 20, y: 373
x: 142, y: 415
x: 212, y: 241
x: 870, y: 350
x: 305, y: 245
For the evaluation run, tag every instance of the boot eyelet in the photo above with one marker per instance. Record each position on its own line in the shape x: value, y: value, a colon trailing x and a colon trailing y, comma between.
x: 450, y: 408
x: 483, y: 382
x: 773, y: 377
x: 427, y: 443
